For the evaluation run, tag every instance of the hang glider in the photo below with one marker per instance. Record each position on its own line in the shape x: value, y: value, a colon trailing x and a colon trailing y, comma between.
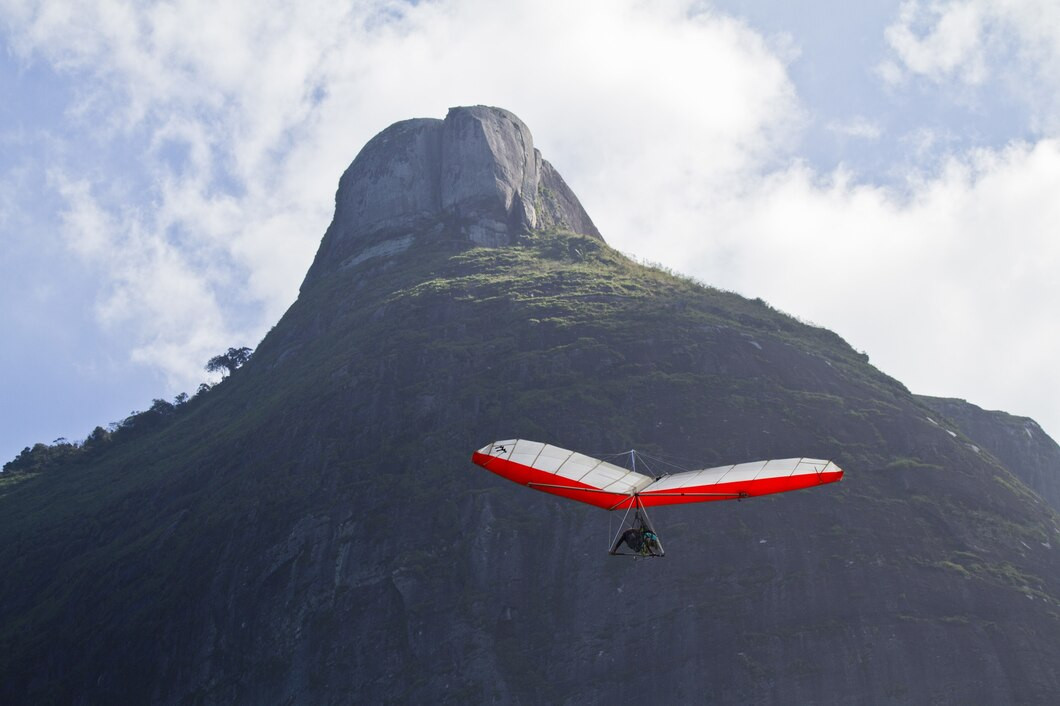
x: 570, y: 474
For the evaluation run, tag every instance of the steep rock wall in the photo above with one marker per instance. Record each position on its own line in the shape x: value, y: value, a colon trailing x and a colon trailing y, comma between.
x: 474, y: 176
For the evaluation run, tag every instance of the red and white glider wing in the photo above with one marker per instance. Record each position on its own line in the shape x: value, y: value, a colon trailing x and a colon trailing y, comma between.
x: 551, y: 469
x: 743, y: 480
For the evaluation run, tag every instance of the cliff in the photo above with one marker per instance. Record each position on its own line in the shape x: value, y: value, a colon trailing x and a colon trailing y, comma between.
x: 474, y: 176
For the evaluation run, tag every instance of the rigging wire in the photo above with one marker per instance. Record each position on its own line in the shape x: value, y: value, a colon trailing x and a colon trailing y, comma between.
x: 635, y: 455
x: 651, y: 471
x: 621, y: 526
x: 663, y: 461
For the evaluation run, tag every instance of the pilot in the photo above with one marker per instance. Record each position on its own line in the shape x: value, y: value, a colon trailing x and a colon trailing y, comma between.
x: 649, y: 542
x: 634, y: 539
x: 640, y: 539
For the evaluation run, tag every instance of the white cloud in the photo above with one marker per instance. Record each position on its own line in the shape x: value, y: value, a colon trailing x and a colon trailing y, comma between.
x: 149, y: 280
x: 1015, y: 43
x: 951, y: 44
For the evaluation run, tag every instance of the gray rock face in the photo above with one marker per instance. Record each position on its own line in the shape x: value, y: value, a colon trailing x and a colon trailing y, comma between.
x: 475, y: 175
x: 1018, y: 442
x: 558, y: 206
x: 489, y: 171
x: 393, y: 180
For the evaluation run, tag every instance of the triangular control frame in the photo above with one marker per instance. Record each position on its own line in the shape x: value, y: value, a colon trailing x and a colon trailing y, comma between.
x: 650, y: 546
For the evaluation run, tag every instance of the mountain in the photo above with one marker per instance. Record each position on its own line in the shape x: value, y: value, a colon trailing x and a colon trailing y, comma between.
x: 311, y: 530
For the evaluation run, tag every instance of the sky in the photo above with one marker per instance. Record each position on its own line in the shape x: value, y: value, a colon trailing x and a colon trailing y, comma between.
x: 889, y: 170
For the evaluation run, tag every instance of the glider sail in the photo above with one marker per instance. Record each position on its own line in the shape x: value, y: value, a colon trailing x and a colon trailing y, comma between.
x: 561, y: 472
x: 743, y: 480
x: 569, y: 474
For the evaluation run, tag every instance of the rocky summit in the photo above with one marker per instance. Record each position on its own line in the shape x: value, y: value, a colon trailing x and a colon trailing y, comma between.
x: 475, y: 174
x: 311, y: 530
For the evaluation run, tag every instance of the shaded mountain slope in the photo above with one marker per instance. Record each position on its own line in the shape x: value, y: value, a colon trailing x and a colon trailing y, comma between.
x: 1018, y: 442
x: 312, y: 531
